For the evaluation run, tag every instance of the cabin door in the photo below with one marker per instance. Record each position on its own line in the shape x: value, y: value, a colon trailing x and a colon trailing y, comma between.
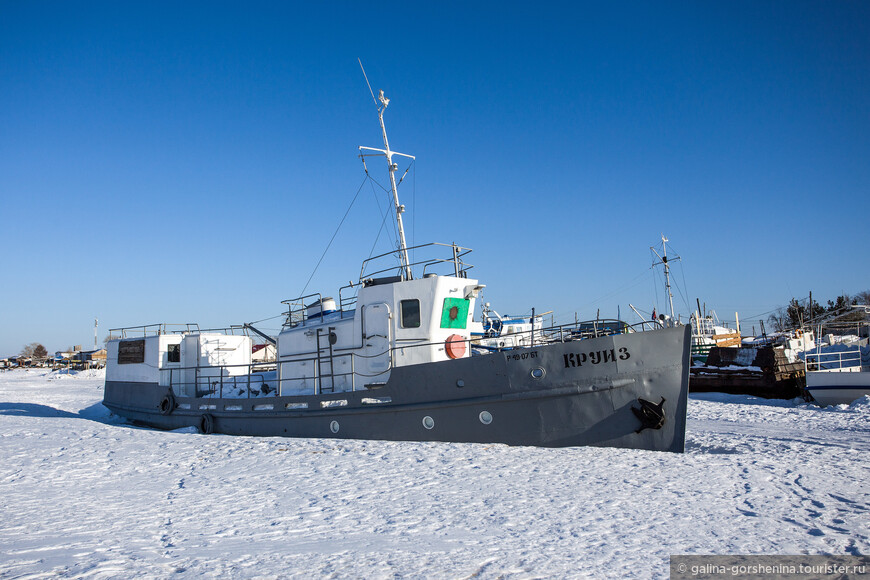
x: 376, y: 363
x: 189, y: 360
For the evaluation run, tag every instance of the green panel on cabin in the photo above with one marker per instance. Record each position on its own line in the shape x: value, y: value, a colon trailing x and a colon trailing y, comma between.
x: 454, y: 314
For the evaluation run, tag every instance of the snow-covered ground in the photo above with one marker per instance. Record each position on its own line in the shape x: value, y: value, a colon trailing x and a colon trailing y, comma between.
x: 83, y: 494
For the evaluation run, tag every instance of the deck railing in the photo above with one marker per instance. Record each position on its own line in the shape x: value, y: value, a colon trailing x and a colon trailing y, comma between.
x: 161, y: 328
x: 373, y: 267
x: 154, y: 329
x: 222, y: 380
x: 841, y: 361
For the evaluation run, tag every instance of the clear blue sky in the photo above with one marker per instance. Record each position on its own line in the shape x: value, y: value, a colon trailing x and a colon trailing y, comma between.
x: 189, y: 162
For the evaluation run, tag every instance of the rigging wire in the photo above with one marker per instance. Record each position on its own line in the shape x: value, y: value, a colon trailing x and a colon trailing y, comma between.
x: 627, y: 285
x: 378, y: 183
x: 372, y: 183
x: 265, y: 319
x: 332, y: 239
x: 389, y: 205
x: 655, y: 277
x: 384, y: 215
x: 659, y: 278
x: 684, y: 291
x: 639, y: 279
x: 378, y: 237
x: 685, y: 298
x: 413, y: 210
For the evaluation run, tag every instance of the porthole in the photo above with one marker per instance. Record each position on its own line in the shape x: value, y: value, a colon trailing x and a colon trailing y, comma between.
x: 460, y: 383
x: 485, y: 417
x: 428, y: 422
x: 538, y: 373
x: 333, y: 426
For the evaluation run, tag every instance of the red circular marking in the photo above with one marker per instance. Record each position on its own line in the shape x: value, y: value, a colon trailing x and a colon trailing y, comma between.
x: 455, y: 346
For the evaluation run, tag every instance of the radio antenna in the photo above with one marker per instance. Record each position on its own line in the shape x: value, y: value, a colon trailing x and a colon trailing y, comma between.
x: 367, y: 81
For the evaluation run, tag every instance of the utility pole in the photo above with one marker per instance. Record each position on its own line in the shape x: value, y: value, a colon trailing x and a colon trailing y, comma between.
x: 810, y: 313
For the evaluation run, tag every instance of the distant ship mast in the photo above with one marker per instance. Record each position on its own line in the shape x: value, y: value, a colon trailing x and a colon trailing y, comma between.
x: 393, y: 167
x: 663, y: 260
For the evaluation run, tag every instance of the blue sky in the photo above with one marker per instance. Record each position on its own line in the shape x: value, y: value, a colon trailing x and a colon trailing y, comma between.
x: 189, y: 162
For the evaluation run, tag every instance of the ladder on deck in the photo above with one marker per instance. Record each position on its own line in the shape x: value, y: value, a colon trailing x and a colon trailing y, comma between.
x: 323, y: 361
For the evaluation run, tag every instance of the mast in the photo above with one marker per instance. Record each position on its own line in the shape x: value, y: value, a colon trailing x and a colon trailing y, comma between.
x: 393, y: 167
x: 663, y: 259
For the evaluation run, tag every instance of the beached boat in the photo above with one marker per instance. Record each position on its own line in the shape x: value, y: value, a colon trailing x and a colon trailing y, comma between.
x: 838, y: 368
x: 836, y: 378
x: 838, y: 371
x: 499, y: 332
x: 708, y: 332
x: 391, y: 359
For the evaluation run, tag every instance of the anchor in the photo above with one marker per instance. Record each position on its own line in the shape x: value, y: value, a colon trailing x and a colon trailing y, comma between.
x: 651, y: 415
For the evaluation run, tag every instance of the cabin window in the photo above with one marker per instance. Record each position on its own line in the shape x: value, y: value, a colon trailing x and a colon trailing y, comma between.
x: 131, y: 352
x: 173, y: 353
x: 410, y: 313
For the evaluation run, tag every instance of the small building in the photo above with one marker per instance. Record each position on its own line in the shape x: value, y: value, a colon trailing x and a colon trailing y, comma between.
x: 24, y: 361
x: 63, y: 359
x: 91, y: 359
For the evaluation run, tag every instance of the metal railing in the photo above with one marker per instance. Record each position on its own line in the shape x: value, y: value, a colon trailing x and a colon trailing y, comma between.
x: 174, y: 328
x: 297, y: 310
x: 216, y: 380
x: 221, y: 380
x: 154, y: 329
x: 369, y: 268
x: 842, y: 361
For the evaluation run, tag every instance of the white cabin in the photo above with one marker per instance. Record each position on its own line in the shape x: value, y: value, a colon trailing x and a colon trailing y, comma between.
x: 140, y: 360
x: 394, y: 323
x: 186, y: 361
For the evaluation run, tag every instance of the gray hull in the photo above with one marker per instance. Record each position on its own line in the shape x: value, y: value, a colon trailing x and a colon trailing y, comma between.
x: 589, y: 392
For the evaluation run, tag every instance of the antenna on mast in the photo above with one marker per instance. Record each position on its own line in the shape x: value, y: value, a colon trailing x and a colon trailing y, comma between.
x: 365, y: 76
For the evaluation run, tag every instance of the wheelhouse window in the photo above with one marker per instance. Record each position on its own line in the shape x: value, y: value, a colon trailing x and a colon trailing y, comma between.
x: 173, y: 353
x: 131, y: 352
x: 410, y: 313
